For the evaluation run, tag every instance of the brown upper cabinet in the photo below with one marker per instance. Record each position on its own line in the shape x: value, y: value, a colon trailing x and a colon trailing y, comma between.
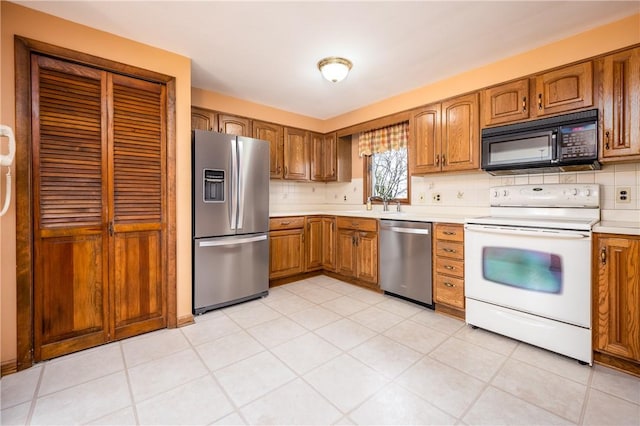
x: 234, y: 125
x: 324, y: 157
x: 296, y: 154
x: 506, y: 103
x: 273, y: 134
x: 212, y: 121
x: 620, y: 105
x: 203, y: 119
x: 446, y: 136
x: 564, y: 89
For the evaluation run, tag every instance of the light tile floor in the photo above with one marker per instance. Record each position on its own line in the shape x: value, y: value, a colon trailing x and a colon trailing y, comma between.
x: 319, y: 351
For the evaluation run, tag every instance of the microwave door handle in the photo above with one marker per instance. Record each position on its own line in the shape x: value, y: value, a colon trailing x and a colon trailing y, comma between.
x: 555, y: 146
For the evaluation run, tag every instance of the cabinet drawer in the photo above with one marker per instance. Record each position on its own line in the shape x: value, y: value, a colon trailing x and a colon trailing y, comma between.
x: 449, y: 267
x: 449, y: 249
x: 449, y: 232
x: 358, y: 223
x: 291, y: 222
x: 449, y: 290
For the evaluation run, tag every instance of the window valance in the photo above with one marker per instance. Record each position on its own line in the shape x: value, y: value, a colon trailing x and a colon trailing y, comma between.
x: 384, y: 139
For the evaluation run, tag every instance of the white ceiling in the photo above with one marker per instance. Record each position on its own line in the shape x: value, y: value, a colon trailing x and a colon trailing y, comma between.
x: 266, y: 52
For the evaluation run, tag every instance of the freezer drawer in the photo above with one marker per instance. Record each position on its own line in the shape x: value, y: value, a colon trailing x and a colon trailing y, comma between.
x: 228, y: 270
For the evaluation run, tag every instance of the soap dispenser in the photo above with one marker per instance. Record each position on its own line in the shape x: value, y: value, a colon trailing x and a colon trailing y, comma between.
x: 369, y: 206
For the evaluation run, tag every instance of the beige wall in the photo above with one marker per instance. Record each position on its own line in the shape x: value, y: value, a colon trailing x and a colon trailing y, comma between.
x: 35, y: 25
x: 42, y: 27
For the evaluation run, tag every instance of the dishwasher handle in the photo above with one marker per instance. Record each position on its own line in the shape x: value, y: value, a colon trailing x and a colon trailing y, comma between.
x: 423, y: 231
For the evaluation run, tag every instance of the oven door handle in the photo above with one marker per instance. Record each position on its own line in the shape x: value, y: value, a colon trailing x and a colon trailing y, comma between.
x: 542, y: 233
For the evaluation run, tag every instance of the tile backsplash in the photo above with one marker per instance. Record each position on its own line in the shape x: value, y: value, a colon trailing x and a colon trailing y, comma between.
x: 463, y: 193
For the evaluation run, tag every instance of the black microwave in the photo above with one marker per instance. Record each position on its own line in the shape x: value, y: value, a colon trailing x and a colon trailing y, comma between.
x: 556, y: 144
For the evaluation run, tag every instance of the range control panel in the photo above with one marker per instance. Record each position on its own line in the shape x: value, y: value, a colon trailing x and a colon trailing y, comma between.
x: 546, y: 195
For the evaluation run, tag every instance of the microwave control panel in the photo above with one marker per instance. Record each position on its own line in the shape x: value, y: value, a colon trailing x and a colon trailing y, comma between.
x: 579, y: 141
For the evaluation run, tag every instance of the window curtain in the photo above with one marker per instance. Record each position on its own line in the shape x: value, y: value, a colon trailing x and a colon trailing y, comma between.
x: 384, y: 139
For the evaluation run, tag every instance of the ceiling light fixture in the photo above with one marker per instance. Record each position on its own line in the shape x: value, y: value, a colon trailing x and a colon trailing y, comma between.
x: 334, y: 69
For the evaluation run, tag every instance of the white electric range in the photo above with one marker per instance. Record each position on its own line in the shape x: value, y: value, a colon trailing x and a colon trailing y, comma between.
x: 528, y: 266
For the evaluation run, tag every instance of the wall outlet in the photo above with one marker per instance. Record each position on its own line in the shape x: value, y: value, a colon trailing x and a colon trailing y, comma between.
x: 623, y: 194
x: 421, y: 197
x: 344, y: 198
x: 436, y: 197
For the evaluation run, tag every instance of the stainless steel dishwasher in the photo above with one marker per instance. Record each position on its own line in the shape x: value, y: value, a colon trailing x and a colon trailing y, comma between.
x: 405, y: 259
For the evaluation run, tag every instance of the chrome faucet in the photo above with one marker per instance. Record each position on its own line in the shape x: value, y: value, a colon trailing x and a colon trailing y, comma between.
x: 385, y: 202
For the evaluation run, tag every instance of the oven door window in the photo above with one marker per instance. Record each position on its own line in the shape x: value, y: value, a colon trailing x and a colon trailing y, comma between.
x: 521, y: 268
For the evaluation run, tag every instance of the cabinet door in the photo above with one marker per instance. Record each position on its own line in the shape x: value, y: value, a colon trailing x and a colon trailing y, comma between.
x: 367, y: 256
x: 425, y: 147
x: 296, y: 154
x: 346, y: 253
x: 505, y: 103
x: 329, y: 243
x: 460, y: 134
x: 313, y: 242
x: 286, y: 250
x: 620, y: 105
x: 203, y: 119
x: 234, y: 125
x: 273, y: 134
x: 330, y: 157
x: 617, y: 330
x: 564, y: 89
x: 317, y: 157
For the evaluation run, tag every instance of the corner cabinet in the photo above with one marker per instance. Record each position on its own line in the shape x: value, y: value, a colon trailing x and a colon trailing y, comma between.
x: 313, y: 243
x: 446, y: 136
x: 329, y: 243
x: 616, y: 319
x: 619, y: 90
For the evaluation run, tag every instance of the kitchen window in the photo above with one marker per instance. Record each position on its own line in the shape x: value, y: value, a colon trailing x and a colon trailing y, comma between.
x: 386, y: 173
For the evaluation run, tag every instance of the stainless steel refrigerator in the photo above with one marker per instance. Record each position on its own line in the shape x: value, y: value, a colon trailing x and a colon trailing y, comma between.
x: 230, y: 219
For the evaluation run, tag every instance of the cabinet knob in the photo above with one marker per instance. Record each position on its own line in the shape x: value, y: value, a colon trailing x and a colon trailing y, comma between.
x: 449, y: 267
x: 448, y: 250
x: 540, y: 101
x: 444, y: 160
x: 606, y: 134
x: 524, y: 104
x: 437, y: 160
x: 449, y: 233
x: 448, y: 284
x: 603, y: 255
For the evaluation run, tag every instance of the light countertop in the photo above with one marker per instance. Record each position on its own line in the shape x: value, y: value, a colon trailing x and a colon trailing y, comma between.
x: 605, y: 226
x: 617, y: 227
x: 393, y: 215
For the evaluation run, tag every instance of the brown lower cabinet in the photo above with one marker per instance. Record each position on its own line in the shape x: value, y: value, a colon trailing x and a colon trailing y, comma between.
x: 448, y: 268
x: 616, y: 301
x: 344, y: 245
x: 286, y: 246
x: 357, y: 249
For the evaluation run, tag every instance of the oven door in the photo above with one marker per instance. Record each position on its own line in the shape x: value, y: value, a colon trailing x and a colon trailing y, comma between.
x: 543, y: 272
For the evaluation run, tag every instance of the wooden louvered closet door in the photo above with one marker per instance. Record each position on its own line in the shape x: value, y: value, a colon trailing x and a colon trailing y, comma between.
x: 98, y: 197
x: 137, y: 160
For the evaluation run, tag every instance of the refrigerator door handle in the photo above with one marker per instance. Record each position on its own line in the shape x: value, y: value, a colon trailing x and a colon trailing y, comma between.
x: 240, y: 191
x: 230, y: 242
x: 233, y: 192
